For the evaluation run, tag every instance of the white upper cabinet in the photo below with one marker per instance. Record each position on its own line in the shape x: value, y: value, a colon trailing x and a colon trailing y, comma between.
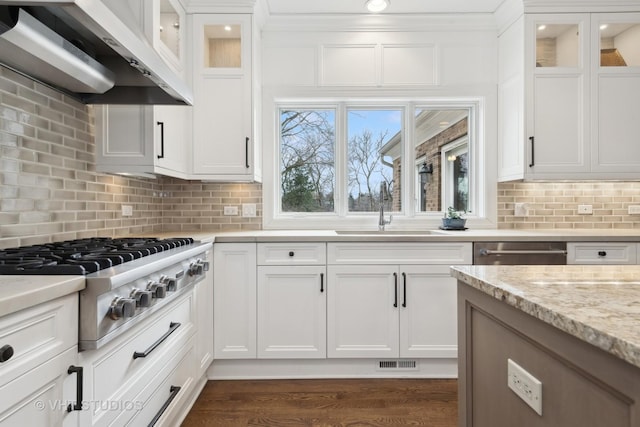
x: 165, y: 26
x: 224, y: 146
x: 566, y: 108
x: 557, y: 94
x: 615, y: 93
x: 142, y: 140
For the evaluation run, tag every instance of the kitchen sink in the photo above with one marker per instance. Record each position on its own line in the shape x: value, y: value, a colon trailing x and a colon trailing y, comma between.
x: 387, y: 232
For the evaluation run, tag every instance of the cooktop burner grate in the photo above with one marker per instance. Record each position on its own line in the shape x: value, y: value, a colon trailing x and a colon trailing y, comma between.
x: 82, y: 256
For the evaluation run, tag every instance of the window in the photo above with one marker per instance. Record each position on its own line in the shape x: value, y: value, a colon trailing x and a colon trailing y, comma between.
x: 307, y: 160
x: 333, y: 157
x: 374, y: 157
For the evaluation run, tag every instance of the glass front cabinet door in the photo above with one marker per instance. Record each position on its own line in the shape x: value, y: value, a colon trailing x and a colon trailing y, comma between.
x: 616, y: 94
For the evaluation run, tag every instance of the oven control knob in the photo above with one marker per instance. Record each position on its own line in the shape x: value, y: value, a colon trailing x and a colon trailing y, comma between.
x: 198, y: 267
x: 158, y: 289
x: 195, y: 269
x: 122, y: 308
x: 143, y: 298
x: 171, y: 282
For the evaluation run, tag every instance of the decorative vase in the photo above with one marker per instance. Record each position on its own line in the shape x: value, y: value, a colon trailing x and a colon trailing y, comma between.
x: 453, y: 223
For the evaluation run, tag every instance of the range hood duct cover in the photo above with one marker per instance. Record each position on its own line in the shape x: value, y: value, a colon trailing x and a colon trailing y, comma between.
x: 113, y: 49
x: 31, y: 47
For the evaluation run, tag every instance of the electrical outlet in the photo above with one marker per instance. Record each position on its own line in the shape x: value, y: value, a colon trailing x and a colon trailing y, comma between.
x: 525, y: 386
x: 585, y: 209
x: 248, y: 209
x: 521, y: 209
x: 127, y: 210
x: 231, y: 210
x: 634, y: 209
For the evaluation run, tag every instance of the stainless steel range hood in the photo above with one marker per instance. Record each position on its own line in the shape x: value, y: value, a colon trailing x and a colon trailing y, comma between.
x: 84, y: 49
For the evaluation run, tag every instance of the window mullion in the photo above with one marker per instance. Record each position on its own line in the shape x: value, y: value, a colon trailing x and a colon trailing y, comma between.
x: 341, y: 161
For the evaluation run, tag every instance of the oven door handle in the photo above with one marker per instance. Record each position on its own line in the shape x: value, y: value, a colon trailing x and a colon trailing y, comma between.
x: 172, y: 328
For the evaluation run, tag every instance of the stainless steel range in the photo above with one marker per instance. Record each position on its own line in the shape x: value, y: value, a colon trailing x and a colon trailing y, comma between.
x: 127, y: 280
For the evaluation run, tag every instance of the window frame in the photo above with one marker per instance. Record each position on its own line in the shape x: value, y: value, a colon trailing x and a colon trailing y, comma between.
x: 410, y: 217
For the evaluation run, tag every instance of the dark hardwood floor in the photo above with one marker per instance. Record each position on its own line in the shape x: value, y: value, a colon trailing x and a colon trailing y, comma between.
x: 361, y: 402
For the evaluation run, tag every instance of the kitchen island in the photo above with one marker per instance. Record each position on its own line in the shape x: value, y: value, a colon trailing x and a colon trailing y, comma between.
x: 575, y: 329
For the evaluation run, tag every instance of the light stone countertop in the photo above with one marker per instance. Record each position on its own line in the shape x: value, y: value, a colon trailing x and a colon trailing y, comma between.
x: 20, y: 292
x: 597, y: 304
x: 477, y: 235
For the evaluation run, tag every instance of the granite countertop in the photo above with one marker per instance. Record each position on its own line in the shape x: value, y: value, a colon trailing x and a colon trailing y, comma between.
x: 597, y: 304
x: 478, y: 235
x: 20, y: 292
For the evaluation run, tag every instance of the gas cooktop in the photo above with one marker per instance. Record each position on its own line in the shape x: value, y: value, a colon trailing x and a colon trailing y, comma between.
x: 82, y: 256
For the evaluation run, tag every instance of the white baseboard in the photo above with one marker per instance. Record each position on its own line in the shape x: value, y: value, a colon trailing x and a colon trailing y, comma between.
x: 328, y: 368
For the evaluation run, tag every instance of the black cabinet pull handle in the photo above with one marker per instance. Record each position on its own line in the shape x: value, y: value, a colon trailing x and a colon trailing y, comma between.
x: 174, y: 390
x: 533, y: 140
x: 161, y: 155
x: 404, y: 287
x: 172, y: 328
x: 291, y: 253
x: 321, y: 282
x: 6, y: 352
x: 395, y: 287
x: 78, y: 371
x: 602, y: 253
x: 246, y: 152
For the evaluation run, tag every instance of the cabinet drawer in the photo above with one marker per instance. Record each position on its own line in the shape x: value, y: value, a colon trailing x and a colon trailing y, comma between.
x: 37, y: 334
x: 399, y: 253
x: 292, y: 253
x: 172, y: 386
x: 114, y: 374
x: 601, y: 253
x: 37, y: 398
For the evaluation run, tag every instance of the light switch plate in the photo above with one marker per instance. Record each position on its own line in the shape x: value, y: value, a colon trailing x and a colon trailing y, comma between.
x: 127, y: 210
x: 525, y: 385
x: 634, y: 209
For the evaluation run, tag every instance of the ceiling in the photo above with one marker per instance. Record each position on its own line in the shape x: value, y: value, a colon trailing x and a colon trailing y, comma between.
x: 286, y: 7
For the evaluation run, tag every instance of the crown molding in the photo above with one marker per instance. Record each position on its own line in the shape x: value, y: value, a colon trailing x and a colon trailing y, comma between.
x: 574, y: 6
x: 387, y: 22
x: 220, y: 6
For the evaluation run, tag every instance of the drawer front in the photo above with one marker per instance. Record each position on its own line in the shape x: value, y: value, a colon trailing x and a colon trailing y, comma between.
x: 172, y: 386
x: 112, y: 372
x: 37, y: 334
x: 399, y: 253
x: 601, y: 253
x: 37, y: 397
x: 292, y: 253
x: 174, y: 391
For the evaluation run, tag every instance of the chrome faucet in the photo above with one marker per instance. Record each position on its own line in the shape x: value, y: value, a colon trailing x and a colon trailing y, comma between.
x: 384, y: 192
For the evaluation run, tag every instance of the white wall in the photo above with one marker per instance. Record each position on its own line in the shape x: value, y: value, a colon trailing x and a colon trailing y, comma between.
x: 433, y: 57
x: 380, y: 58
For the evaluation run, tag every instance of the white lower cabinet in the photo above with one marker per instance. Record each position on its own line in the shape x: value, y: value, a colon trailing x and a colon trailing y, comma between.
x: 391, y: 311
x: 380, y: 307
x: 291, y: 312
x: 125, y: 380
x: 602, y: 253
x: 204, y: 320
x: 362, y: 320
x: 38, y: 346
x: 234, y: 300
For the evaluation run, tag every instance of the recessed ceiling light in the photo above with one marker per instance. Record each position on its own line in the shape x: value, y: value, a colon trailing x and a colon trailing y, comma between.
x: 377, y: 5
x: 603, y: 26
x: 227, y: 27
x: 541, y: 27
